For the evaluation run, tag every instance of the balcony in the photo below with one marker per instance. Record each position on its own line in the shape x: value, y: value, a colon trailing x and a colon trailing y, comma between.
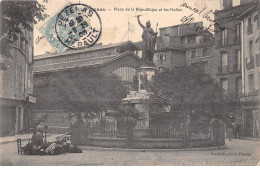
x: 251, y: 96
x: 250, y: 62
x: 223, y: 69
x: 229, y: 41
x: 231, y: 97
x: 249, y: 29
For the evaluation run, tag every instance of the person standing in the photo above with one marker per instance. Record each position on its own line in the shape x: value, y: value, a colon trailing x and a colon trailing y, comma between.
x: 230, y: 132
x: 237, y: 131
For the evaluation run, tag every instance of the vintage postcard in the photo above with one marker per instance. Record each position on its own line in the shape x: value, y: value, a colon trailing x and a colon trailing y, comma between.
x: 130, y: 82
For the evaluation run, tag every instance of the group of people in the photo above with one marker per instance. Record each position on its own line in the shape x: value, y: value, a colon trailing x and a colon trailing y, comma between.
x: 39, y: 147
x: 233, y: 130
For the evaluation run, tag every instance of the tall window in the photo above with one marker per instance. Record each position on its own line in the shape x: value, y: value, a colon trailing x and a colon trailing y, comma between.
x: 238, y: 32
x: 238, y: 60
x: 249, y: 27
x: 250, y: 48
x: 249, y: 21
x: 20, y: 81
x: 238, y: 86
x: 22, y: 43
x: 224, y: 62
x: 223, y: 36
x: 224, y: 86
x: 251, y: 83
x: 224, y: 59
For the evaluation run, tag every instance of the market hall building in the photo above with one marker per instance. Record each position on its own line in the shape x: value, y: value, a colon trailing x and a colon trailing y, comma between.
x: 121, y: 59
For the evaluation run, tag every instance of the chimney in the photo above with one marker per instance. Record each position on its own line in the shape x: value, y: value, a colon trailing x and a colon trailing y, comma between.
x: 227, y: 4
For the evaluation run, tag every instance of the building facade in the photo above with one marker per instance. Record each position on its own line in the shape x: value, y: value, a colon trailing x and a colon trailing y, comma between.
x: 16, y: 86
x: 120, y: 59
x: 250, y: 98
x: 182, y: 45
x: 228, y: 56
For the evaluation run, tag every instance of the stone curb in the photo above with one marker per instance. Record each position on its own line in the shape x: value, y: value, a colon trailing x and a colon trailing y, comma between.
x: 251, y: 139
x: 151, y: 150
x: 12, y: 141
x: 23, y: 139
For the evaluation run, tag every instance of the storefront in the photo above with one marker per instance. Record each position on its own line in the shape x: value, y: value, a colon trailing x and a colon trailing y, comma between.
x: 15, y: 115
x: 251, y: 115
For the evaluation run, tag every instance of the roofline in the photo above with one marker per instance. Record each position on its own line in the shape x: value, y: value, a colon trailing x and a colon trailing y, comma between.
x: 167, y: 48
x: 122, y: 55
x: 37, y: 57
x: 177, y: 25
x: 233, y: 7
x: 244, y: 14
x: 94, y: 65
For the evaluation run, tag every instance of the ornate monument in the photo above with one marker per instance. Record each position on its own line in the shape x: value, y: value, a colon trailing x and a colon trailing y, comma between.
x: 148, y: 43
x: 146, y: 72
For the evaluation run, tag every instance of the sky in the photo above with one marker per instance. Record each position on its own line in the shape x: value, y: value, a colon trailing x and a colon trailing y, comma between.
x: 115, y: 22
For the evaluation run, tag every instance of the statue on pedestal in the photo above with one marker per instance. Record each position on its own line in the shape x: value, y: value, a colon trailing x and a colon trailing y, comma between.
x: 148, y: 43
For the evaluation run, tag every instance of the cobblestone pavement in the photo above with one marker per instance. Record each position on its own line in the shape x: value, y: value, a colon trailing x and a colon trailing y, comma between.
x: 238, y: 152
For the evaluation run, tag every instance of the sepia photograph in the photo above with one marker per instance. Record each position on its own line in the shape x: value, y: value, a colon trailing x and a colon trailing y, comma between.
x: 129, y: 82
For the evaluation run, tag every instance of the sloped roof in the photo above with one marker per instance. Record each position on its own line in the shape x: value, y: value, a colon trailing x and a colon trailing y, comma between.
x: 92, y: 62
x: 139, y: 44
x: 93, y: 48
x: 247, y: 12
x: 170, y: 48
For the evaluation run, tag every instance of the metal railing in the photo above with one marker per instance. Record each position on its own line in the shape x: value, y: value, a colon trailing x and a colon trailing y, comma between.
x: 111, y: 135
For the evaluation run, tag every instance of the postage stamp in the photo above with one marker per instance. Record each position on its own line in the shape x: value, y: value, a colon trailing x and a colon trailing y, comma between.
x: 77, y: 26
x: 48, y: 31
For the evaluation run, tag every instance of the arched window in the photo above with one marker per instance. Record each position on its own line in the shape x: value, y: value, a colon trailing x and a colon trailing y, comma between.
x: 125, y: 73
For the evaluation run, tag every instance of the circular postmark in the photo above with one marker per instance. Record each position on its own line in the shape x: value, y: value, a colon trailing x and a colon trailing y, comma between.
x: 78, y: 26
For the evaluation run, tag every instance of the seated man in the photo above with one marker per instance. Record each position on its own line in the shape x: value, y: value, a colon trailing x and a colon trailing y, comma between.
x: 37, y: 137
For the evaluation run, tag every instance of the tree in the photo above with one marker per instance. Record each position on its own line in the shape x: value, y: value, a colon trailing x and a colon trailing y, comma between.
x: 88, y: 91
x: 16, y: 16
x: 191, y: 95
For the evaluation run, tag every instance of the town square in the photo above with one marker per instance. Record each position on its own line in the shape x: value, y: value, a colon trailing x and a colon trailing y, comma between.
x: 107, y: 83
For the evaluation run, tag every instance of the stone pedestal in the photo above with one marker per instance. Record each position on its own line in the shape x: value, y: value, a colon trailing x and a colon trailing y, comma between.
x: 139, y: 98
x: 145, y: 75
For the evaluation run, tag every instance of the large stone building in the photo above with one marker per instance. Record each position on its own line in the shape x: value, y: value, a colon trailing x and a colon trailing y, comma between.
x: 228, y: 56
x: 120, y: 59
x: 16, y: 87
x: 250, y: 28
x: 181, y: 45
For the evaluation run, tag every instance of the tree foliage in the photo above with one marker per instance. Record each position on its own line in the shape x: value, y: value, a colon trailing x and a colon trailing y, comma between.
x: 88, y: 91
x: 186, y: 89
x: 16, y: 16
